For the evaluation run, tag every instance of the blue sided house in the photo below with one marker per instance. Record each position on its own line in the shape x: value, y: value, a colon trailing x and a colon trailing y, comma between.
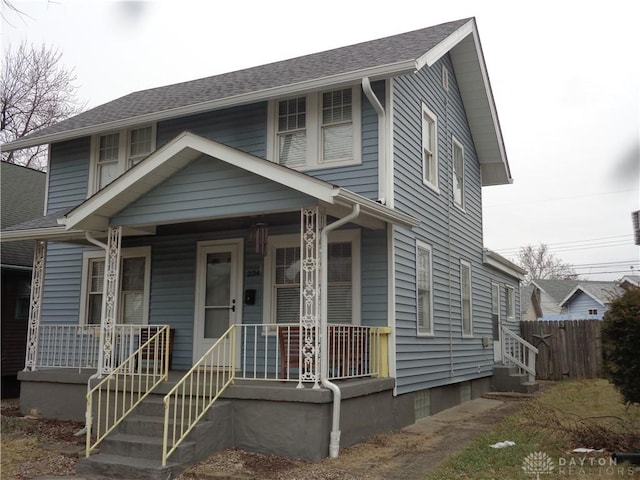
x: 284, y: 259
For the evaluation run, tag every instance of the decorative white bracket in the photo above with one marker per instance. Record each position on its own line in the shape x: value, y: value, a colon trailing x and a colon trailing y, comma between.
x: 110, y: 299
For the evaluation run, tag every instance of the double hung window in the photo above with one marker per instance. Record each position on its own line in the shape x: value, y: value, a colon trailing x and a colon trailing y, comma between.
x: 133, y: 289
x: 465, y: 297
x: 429, y: 148
x: 458, y: 173
x: 116, y: 152
x: 283, y: 278
x: 317, y: 130
x: 424, y: 289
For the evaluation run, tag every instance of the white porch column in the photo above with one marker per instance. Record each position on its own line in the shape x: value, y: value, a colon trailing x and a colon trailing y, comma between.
x: 311, y: 223
x: 109, y: 300
x: 35, y: 305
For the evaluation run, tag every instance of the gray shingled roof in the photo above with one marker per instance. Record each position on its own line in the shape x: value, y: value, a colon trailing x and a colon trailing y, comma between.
x: 22, y: 198
x: 560, y: 289
x: 398, y: 49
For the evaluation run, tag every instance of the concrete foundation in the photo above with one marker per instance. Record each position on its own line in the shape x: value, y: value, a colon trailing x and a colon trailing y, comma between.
x: 270, y: 417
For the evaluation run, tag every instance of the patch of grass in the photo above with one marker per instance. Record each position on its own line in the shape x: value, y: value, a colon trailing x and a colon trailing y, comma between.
x: 571, y: 414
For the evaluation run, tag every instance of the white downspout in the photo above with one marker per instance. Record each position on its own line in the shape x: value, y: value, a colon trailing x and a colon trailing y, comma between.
x: 382, y: 149
x: 334, y: 443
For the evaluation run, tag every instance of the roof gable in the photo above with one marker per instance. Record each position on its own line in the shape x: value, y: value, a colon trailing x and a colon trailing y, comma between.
x: 95, y: 213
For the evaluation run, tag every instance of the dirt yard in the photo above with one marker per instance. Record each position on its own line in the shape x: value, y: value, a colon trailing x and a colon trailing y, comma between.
x: 32, y: 448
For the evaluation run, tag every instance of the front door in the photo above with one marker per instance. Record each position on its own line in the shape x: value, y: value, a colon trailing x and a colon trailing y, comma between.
x: 497, y: 325
x: 218, y: 299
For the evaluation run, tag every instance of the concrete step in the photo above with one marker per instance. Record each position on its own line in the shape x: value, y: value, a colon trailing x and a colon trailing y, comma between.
x: 119, y: 466
x: 141, y: 446
x: 507, y: 379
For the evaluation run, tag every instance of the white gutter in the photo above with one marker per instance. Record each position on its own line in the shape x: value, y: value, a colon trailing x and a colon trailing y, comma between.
x: 382, y: 163
x: 334, y: 444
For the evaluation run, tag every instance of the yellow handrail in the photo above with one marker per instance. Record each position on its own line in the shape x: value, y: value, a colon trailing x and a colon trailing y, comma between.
x: 190, y: 399
x: 127, y: 385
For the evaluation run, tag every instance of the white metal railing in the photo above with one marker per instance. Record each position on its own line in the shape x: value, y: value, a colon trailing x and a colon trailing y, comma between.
x: 274, y: 352
x: 517, y: 351
x: 118, y: 393
x: 190, y: 399
x: 77, y: 346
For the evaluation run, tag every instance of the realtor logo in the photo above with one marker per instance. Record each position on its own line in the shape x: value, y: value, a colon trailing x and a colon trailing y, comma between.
x: 538, y: 463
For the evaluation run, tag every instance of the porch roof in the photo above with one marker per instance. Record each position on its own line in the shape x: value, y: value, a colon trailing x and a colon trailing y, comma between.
x: 95, y: 213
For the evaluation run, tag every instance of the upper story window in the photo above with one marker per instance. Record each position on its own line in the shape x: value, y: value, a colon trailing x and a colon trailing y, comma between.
x: 458, y: 173
x: 115, y: 152
x: 429, y: 148
x: 424, y: 289
x: 465, y: 298
x: 316, y: 130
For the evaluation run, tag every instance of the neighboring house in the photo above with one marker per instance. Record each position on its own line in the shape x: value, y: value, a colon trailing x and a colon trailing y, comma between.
x: 22, y: 198
x: 570, y: 299
x: 223, y: 204
x: 629, y: 281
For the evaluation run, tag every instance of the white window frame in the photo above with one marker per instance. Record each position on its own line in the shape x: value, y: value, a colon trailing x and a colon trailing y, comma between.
x: 430, y: 131
x: 426, y: 330
x: 313, y: 129
x: 466, y: 333
x: 293, y: 240
x: 457, y: 176
x: 510, y: 300
x: 124, y: 159
x: 135, y: 252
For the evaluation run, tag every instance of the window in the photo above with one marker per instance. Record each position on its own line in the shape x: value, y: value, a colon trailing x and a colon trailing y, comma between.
x: 424, y: 289
x: 593, y: 311
x: 134, y: 286
x: 510, y: 299
x: 445, y: 78
x: 465, y: 296
x: 429, y: 148
x: 318, y: 129
x: 458, y: 173
x: 115, y: 152
x: 282, y: 278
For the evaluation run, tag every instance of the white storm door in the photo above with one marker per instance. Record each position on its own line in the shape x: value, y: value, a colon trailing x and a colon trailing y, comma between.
x: 218, y: 294
x: 497, y: 323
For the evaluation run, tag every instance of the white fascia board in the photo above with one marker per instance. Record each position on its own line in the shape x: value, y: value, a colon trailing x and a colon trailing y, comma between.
x: 500, y: 263
x: 583, y: 290
x: 49, y: 233
x: 356, y: 76
x: 441, y: 49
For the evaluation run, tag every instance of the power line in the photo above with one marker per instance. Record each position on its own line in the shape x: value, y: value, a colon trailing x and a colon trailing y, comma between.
x: 554, y: 199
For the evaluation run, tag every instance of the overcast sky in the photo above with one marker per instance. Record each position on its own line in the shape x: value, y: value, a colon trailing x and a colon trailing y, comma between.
x: 565, y: 76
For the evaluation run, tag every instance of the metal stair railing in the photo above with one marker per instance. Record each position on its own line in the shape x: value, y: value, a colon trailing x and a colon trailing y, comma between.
x: 194, y: 394
x: 126, y: 386
x: 517, y: 351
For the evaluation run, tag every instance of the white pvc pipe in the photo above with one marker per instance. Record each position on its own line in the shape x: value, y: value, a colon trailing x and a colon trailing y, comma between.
x: 382, y: 157
x: 334, y: 443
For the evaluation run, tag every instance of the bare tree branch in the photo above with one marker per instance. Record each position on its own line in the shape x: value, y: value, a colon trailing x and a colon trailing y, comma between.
x: 542, y: 264
x: 36, y: 91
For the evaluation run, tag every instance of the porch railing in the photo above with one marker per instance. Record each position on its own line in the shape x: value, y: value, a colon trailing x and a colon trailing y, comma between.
x: 517, y: 351
x: 273, y: 352
x: 190, y: 399
x: 118, y: 393
x: 77, y: 346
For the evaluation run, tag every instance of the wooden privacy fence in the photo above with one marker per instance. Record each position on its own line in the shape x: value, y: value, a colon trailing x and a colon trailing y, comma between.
x: 567, y: 348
